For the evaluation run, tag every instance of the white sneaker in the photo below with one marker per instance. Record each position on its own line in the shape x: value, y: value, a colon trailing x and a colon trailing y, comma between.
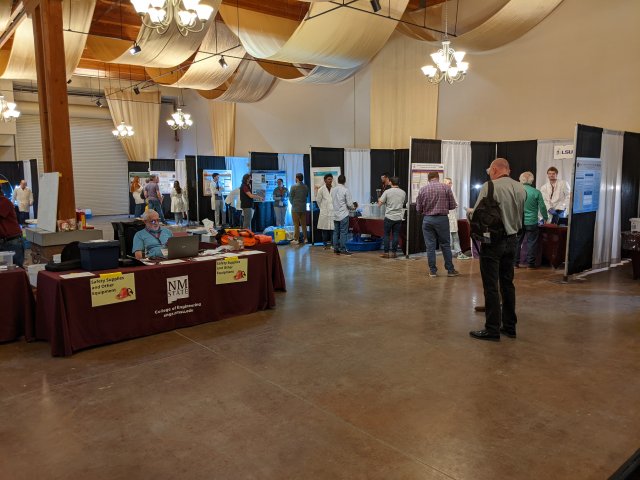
x: 294, y: 242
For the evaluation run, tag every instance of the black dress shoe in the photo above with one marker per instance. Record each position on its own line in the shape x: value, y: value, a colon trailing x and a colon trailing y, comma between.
x: 485, y: 335
x: 508, y: 333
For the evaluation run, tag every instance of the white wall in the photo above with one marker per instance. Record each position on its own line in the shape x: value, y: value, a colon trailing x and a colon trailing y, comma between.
x: 579, y: 65
x: 294, y: 116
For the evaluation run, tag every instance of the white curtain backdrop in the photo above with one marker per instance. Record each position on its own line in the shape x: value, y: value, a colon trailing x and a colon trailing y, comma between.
x: 291, y: 163
x: 606, y: 242
x: 238, y: 166
x: 544, y: 160
x: 357, y: 169
x: 456, y: 158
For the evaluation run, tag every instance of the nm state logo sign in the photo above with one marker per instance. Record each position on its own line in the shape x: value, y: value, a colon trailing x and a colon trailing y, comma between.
x: 177, y: 288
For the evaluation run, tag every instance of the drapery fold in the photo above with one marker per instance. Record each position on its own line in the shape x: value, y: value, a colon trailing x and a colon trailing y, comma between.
x: 357, y: 169
x: 403, y: 105
x: 142, y: 112
x: 222, y: 116
x: 76, y: 19
x: 456, y: 158
x: 250, y: 83
x: 331, y: 36
x: 5, y: 14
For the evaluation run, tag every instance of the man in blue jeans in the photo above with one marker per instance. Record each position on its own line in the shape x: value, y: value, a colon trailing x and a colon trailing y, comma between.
x: 342, y: 203
x: 393, y: 199
x: 153, y: 195
x: 434, y: 201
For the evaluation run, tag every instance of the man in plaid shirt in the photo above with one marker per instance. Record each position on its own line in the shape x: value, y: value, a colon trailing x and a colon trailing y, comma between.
x: 434, y: 202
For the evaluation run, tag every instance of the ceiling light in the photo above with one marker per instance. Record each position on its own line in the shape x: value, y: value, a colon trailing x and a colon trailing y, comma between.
x: 8, y: 111
x: 375, y: 5
x: 99, y: 103
x: 223, y: 63
x: 180, y: 120
x: 188, y: 15
x: 449, y: 64
x: 135, y: 49
x: 123, y: 131
x: 136, y: 90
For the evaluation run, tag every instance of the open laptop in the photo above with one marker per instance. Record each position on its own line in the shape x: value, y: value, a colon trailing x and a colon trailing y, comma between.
x: 183, y: 247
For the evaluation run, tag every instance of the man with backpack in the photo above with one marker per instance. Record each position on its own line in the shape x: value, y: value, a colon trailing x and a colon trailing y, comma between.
x: 496, y: 220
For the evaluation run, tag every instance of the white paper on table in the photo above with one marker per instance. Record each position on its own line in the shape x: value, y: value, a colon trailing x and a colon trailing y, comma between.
x: 249, y: 252
x: 206, y: 257
x: 171, y: 262
x: 67, y: 276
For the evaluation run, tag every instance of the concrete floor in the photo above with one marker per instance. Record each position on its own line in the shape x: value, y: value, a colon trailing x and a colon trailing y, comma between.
x: 363, y: 371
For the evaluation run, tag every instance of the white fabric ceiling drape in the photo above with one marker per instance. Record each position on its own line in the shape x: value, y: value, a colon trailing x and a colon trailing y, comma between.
x: 249, y: 84
x: 544, y: 160
x: 142, y: 112
x: 357, y: 169
x: 5, y: 14
x: 331, y: 35
x: 222, y: 118
x: 76, y: 17
x: 606, y: 241
x: 291, y: 163
x: 456, y: 158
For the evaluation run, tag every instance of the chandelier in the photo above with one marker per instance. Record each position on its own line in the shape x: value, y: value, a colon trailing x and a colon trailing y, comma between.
x: 449, y: 65
x: 180, y: 120
x: 8, y: 112
x: 189, y: 15
x: 123, y: 131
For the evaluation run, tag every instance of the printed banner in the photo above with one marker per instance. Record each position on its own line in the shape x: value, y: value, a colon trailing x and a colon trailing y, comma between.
x: 231, y: 270
x: 165, y: 181
x: 224, y: 182
x: 112, y: 288
x: 419, y: 176
x: 264, y: 182
x: 586, y: 194
x: 317, y: 175
x: 562, y: 152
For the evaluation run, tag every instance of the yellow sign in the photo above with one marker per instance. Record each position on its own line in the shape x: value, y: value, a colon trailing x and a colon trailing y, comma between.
x: 109, y: 288
x: 231, y: 270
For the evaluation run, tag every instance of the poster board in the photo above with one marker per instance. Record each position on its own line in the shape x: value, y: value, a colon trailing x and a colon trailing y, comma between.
x: 166, y: 180
x: 142, y: 175
x: 317, y: 178
x: 586, y: 193
x: 263, y: 182
x: 225, y: 182
x: 419, y: 176
x: 48, y: 204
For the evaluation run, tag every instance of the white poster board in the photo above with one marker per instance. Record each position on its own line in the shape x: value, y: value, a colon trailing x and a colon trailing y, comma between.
x: 263, y: 182
x: 317, y: 178
x: 419, y: 176
x: 224, y: 181
x: 165, y: 182
x: 48, y: 201
x: 586, y: 193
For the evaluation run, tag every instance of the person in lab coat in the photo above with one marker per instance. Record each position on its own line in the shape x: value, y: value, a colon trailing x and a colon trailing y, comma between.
x: 217, y: 204
x: 23, y: 198
x: 325, y: 204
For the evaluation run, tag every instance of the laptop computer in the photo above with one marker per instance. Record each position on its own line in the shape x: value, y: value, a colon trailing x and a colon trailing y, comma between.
x: 183, y: 247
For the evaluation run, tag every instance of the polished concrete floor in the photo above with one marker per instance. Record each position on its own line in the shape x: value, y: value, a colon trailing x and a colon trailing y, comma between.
x: 363, y: 371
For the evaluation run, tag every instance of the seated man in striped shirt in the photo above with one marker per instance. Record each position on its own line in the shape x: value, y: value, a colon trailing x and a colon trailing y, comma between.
x: 434, y: 201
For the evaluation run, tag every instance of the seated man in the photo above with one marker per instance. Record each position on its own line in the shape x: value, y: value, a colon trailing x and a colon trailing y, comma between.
x: 152, y: 241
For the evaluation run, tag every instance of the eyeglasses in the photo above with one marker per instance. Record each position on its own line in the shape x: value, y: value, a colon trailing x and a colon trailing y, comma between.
x: 153, y: 222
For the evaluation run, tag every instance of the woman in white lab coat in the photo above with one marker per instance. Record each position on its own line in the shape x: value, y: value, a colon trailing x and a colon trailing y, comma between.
x: 325, y: 204
x: 178, y: 202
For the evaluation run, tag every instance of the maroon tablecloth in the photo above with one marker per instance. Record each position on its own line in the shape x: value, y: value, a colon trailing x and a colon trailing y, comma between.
x: 65, y: 317
x: 631, y: 249
x: 276, y: 272
x: 16, y: 302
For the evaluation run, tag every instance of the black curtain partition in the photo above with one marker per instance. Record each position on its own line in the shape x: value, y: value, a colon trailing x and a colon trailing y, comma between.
x: 582, y: 225
x: 630, y: 179
x: 401, y: 167
x: 35, y: 186
x: 482, y: 154
x: 192, y: 187
x: 12, y: 172
x: 206, y: 162
x: 136, y: 167
x: 382, y: 161
x: 521, y: 156
x: 264, y: 161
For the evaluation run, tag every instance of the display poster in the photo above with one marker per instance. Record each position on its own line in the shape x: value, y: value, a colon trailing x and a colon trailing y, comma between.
x: 419, y: 176
x: 224, y: 181
x: 562, y: 152
x: 141, y: 175
x: 166, y: 180
x: 231, y: 270
x: 110, y: 288
x: 586, y: 194
x: 317, y: 176
x: 263, y: 182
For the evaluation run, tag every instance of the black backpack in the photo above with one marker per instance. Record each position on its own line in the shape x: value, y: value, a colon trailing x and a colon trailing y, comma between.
x: 486, y: 222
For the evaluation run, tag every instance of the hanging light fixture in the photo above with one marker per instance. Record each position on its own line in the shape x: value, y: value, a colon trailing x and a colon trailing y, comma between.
x: 188, y: 15
x: 449, y: 65
x: 123, y: 131
x: 180, y: 120
x: 8, y: 112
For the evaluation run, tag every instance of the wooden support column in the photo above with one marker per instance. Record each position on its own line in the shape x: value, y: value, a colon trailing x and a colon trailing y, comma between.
x: 52, y: 97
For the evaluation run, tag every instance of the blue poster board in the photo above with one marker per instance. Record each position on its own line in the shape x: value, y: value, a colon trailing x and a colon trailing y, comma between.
x: 586, y: 194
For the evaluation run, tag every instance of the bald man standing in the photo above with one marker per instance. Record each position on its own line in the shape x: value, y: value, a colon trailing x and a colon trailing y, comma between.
x: 498, y: 256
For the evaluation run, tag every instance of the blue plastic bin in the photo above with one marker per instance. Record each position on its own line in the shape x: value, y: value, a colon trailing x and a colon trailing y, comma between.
x: 364, y: 245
